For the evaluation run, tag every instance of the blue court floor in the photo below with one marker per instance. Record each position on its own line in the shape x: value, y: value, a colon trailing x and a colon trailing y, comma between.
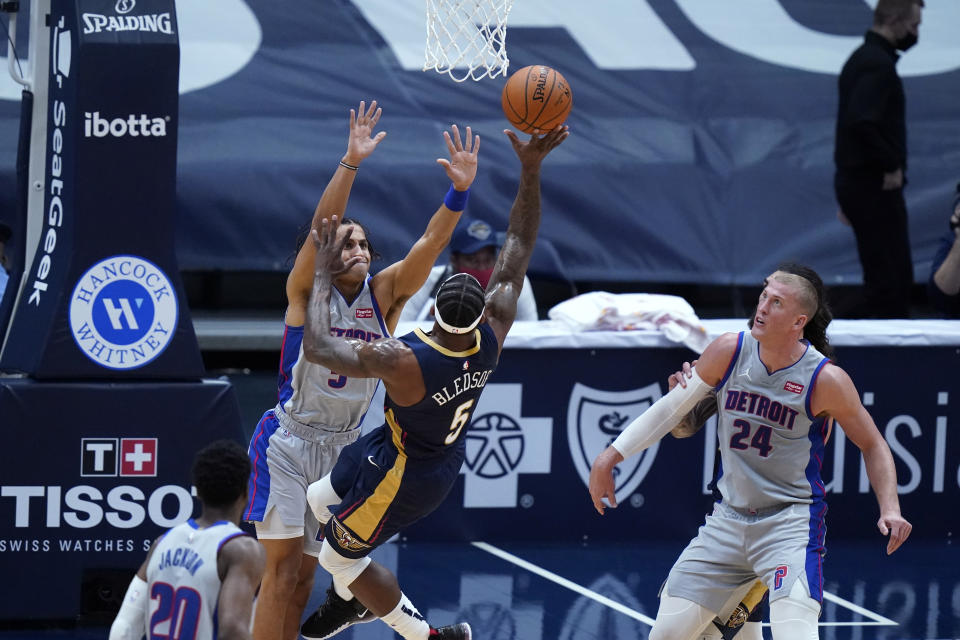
x: 543, y: 592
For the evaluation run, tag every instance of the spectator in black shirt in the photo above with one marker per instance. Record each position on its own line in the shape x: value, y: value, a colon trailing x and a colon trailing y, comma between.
x: 871, y: 158
x: 944, y: 284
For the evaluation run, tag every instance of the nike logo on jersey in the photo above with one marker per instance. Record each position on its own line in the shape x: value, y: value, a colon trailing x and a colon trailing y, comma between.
x: 370, y: 460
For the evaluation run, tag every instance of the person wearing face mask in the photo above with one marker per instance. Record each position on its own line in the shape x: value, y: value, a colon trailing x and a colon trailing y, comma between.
x: 871, y: 159
x: 319, y: 410
x: 473, y: 250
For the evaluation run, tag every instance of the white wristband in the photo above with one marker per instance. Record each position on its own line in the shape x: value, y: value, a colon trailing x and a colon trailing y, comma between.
x: 664, y: 415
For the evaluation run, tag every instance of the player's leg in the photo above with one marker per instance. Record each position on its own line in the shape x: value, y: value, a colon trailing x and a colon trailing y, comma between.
x: 736, y: 626
x: 279, y: 524
x: 301, y: 594
x: 708, y: 578
x: 741, y: 616
x: 680, y: 619
x: 321, y: 496
x: 280, y: 576
x: 377, y: 588
x: 788, y: 558
x: 285, y: 462
x: 795, y: 617
x: 388, y: 493
x: 340, y: 467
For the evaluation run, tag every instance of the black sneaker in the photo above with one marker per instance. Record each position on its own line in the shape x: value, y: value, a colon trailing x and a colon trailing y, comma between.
x: 335, y: 615
x: 459, y: 631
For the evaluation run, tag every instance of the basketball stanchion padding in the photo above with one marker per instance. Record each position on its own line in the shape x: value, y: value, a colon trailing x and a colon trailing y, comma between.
x: 102, y: 296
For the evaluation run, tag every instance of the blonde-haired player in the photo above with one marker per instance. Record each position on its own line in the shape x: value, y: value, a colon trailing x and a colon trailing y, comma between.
x: 775, y: 394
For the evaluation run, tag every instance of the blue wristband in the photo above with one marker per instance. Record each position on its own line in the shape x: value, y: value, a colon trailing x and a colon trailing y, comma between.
x: 456, y: 200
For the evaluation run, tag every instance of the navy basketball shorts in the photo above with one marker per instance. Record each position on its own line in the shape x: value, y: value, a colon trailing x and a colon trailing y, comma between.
x: 384, y: 491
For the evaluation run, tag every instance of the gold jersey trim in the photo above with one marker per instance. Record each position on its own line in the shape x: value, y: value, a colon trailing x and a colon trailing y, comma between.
x: 365, y: 520
x: 447, y: 352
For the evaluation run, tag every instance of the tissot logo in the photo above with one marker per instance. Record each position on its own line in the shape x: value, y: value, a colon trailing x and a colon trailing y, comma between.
x: 138, y: 457
x: 98, y: 457
x: 103, y: 457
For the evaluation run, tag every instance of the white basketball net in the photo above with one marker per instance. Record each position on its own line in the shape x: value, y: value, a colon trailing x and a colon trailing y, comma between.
x: 467, y: 38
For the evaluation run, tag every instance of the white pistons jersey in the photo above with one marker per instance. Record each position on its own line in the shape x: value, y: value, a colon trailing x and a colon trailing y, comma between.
x: 307, y: 389
x: 771, y: 445
x: 183, y: 583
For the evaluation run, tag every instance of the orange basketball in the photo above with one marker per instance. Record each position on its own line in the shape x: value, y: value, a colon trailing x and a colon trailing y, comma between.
x: 536, y: 97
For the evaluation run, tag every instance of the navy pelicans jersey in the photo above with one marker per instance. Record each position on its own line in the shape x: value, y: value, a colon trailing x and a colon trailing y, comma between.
x: 771, y: 446
x: 183, y: 581
x: 454, y: 381
x: 307, y: 389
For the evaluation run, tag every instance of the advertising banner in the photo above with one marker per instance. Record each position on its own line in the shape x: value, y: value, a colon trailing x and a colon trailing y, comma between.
x: 97, y: 473
x: 533, y: 438
x: 703, y: 136
x: 102, y: 297
x: 106, y: 467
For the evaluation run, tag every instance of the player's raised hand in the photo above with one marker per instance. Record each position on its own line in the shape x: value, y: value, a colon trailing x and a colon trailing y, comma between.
x: 681, y: 377
x: 533, y: 152
x: 362, y: 141
x: 329, y: 242
x: 894, y: 525
x: 461, y: 168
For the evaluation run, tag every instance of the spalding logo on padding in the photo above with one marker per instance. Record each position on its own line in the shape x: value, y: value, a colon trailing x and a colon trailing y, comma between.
x: 123, y: 312
x: 204, y: 60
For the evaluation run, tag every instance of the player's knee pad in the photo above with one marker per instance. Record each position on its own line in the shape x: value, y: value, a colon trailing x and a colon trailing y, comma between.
x: 680, y: 619
x: 320, y: 495
x: 345, y: 570
x: 795, y: 616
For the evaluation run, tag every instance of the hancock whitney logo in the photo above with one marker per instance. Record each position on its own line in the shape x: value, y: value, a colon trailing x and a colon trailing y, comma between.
x: 501, y: 445
x: 123, y: 312
x: 595, y: 418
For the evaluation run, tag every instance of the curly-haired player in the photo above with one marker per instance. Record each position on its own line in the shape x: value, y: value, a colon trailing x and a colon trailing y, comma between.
x: 200, y: 577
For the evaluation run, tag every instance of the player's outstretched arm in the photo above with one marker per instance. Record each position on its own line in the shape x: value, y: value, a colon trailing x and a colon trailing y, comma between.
x: 360, y: 144
x: 240, y: 564
x: 385, y: 358
x: 394, y: 285
x: 131, y: 620
x: 664, y: 415
x: 507, y: 278
x: 691, y: 423
x: 836, y: 395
